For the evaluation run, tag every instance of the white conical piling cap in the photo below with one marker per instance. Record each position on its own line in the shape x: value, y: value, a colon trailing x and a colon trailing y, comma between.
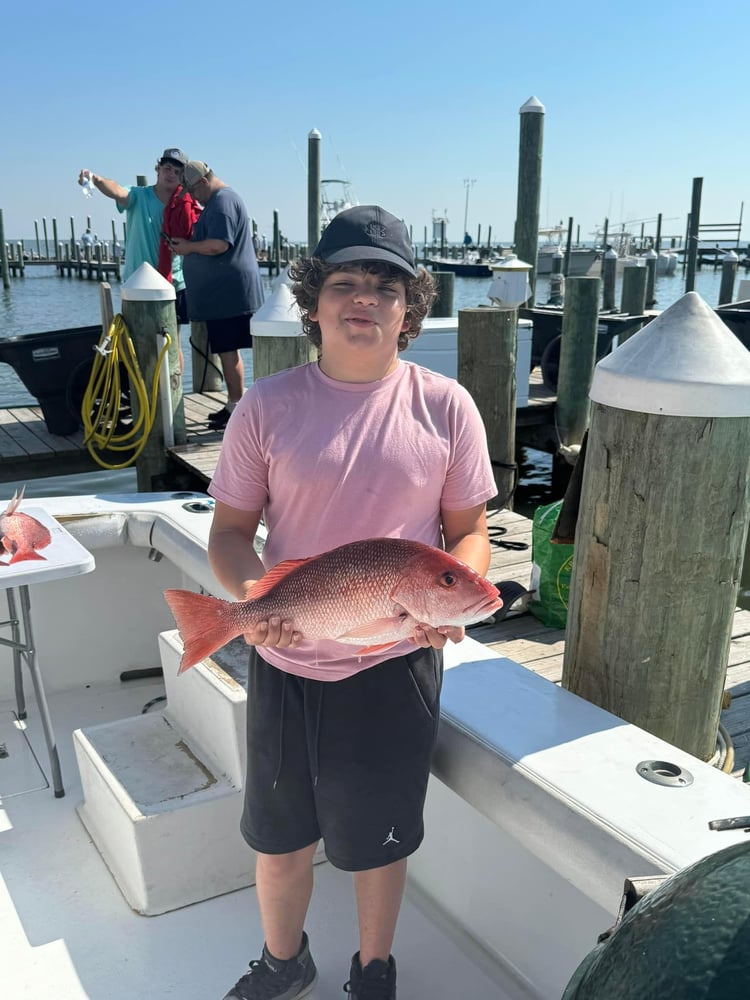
x: 685, y: 363
x: 279, y: 316
x: 145, y: 284
x: 532, y: 107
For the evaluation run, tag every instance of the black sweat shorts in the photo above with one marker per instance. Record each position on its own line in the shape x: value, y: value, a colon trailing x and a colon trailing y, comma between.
x: 230, y: 334
x: 345, y: 760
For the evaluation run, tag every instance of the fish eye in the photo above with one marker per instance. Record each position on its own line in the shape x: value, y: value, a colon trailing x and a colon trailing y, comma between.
x: 448, y: 579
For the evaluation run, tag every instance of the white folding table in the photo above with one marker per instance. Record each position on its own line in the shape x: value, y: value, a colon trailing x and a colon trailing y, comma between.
x: 63, y: 557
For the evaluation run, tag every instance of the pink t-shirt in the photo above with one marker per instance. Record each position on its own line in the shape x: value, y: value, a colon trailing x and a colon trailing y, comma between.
x: 332, y: 462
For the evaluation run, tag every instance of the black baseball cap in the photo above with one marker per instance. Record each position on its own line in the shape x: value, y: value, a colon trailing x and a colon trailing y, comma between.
x: 366, y: 232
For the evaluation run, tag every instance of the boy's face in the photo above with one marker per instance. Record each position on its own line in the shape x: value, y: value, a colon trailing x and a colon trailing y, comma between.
x: 359, y: 310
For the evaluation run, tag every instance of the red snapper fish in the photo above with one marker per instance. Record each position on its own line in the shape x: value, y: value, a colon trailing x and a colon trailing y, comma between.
x: 20, y: 534
x: 371, y: 593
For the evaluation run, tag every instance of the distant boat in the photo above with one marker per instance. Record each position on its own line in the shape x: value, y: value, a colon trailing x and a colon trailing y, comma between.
x: 335, y: 196
x: 469, y: 265
x: 582, y: 259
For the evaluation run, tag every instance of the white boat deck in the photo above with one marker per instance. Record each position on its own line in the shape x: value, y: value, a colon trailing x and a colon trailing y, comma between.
x: 536, y: 812
x: 67, y: 932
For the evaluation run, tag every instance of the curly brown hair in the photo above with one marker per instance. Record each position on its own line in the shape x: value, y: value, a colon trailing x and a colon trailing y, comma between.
x: 309, y: 273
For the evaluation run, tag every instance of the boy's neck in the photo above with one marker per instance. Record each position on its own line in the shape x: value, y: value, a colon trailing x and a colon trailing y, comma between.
x: 349, y: 370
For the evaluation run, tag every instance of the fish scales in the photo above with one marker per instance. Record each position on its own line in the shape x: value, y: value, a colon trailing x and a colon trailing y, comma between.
x: 371, y: 593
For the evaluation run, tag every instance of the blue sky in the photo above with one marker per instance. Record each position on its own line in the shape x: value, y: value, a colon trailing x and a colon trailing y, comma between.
x: 411, y: 99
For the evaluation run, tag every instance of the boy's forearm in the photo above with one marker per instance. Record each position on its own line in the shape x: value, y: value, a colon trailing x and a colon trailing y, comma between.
x: 109, y: 188
x: 472, y: 549
x: 234, y: 562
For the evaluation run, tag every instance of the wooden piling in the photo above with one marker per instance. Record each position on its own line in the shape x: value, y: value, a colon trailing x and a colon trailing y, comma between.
x: 313, y: 189
x: 487, y: 369
x: 577, y: 357
x: 4, y: 254
x: 568, y: 246
x: 529, y: 185
x: 445, y: 284
x: 661, y: 529
x: 275, y: 354
x: 693, y: 234
x: 146, y: 320
x: 729, y: 264
x: 609, y: 275
x: 651, y: 258
x: 633, y: 295
x: 276, y: 244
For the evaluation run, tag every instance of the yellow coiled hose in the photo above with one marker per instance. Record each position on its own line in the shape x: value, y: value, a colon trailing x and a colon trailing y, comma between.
x: 100, y: 408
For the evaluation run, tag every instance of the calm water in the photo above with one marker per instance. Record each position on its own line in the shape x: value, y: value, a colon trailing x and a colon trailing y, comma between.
x: 44, y: 301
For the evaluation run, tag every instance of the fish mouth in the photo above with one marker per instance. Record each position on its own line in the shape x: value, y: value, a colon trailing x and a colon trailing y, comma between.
x: 483, y: 608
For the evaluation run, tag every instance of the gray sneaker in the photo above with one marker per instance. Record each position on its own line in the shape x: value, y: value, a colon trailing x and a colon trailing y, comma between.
x: 272, y: 979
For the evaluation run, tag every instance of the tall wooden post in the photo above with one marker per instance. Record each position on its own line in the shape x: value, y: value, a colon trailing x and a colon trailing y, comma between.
x: 529, y: 185
x: 693, y: 232
x: 577, y: 357
x: 662, y: 526
x: 652, y: 259
x: 313, y: 190
x: 487, y: 369
x: 148, y: 310
x: 4, y: 254
x: 276, y: 243
x: 568, y: 247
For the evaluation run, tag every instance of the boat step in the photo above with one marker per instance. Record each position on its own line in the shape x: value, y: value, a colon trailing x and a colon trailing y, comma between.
x: 208, y: 703
x: 165, y: 823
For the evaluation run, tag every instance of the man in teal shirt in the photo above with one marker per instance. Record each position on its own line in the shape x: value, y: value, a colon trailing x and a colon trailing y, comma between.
x: 144, y: 208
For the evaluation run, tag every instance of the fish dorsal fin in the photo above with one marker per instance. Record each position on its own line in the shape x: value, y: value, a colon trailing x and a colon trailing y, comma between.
x: 274, y: 576
x: 15, y: 501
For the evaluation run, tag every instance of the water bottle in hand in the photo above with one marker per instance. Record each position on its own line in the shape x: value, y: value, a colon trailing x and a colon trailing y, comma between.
x: 87, y: 183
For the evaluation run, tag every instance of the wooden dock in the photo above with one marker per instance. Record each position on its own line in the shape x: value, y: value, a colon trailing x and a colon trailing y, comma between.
x: 99, y: 270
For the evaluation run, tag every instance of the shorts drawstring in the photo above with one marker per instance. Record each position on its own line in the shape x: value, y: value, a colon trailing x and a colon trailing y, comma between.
x: 281, y: 730
x: 314, y: 746
x: 316, y: 736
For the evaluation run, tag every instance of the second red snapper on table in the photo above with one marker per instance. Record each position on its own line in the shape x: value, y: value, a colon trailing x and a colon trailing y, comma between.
x: 372, y: 594
x: 20, y: 534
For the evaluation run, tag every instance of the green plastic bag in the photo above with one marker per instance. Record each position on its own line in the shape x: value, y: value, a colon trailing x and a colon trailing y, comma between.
x: 550, y: 571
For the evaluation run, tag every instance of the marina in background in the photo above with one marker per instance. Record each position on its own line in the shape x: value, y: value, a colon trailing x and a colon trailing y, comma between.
x: 43, y: 300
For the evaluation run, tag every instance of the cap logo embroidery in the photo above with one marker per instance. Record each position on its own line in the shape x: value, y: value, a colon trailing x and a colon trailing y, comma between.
x: 375, y: 231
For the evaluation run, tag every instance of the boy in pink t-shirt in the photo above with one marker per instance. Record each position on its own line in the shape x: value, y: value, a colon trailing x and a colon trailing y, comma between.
x: 360, y: 444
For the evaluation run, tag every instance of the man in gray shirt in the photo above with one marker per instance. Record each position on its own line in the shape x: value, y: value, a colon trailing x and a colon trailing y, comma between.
x: 222, y: 277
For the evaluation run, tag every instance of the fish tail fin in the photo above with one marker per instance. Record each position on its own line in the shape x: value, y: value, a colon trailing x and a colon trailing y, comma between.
x: 22, y: 555
x: 205, y: 624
